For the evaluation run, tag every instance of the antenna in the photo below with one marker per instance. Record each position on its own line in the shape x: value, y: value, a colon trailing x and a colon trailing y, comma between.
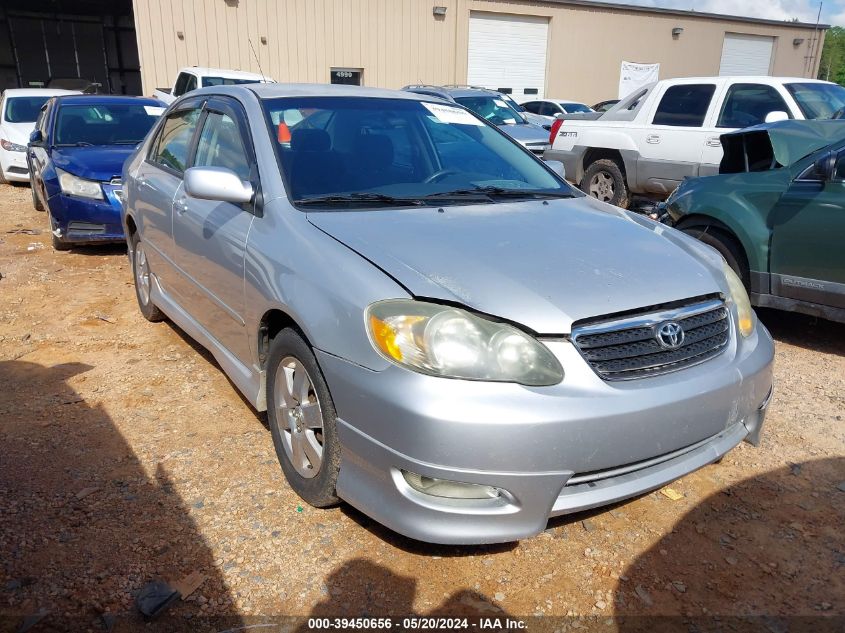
x: 257, y: 61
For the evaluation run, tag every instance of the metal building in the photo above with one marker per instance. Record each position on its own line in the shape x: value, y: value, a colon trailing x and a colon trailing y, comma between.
x: 557, y: 48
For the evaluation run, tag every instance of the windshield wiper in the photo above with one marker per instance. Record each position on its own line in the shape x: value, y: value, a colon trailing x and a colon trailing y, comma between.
x: 77, y: 144
x: 357, y: 198
x: 505, y: 192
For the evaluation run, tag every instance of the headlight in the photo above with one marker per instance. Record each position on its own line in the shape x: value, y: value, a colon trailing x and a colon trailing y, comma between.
x: 739, y: 296
x: 76, y: 186
x: 11, y: 147
x: 453, y: 343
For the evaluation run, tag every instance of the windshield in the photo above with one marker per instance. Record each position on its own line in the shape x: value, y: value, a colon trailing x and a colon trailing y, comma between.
x: 818, y: 101
x: 226, y: 81
x: 23, y: 109
x: 493, y: 109
x: 573, y: 108
x: 104, y: 124
x: 399, y: 152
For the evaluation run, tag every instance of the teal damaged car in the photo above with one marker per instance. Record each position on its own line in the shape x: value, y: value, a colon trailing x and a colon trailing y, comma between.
x: 776, y: 213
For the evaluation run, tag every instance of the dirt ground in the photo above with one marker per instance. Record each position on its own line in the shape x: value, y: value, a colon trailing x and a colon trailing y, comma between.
x: 126, y: 455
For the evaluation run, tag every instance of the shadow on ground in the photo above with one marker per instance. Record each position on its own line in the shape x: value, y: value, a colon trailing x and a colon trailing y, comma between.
x: 360, y: 588
x: 805, y: 331
x: 770, y: 548
x: 83, y: 525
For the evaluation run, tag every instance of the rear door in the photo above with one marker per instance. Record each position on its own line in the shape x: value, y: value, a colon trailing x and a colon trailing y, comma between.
x: 156, y: 183
x: 672, y: 142
x: 807, y: 259
x: 210, y: 236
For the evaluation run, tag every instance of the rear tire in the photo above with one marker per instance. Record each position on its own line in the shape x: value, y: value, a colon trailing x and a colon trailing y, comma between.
x: 605, y: 181
x: 728, y: 248
x: 302, y: 420
x: 143, y: 278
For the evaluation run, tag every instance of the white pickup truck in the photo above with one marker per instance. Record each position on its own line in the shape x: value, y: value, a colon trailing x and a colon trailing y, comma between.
x: 667, y: 131
x: 195, y: 77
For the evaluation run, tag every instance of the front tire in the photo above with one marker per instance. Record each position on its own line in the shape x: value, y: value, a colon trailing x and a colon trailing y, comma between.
x: 143, y: 281
x: 302, y: 420
x: 605, y: 181
x: 36, y: 201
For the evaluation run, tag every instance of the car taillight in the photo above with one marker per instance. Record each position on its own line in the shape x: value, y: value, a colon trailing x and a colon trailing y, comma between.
x: 553, y: 133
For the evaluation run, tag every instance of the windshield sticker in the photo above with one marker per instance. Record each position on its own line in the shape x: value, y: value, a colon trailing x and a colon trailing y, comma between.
x: 500, y: 103
x: 153, y: 110
x: 450, y: 114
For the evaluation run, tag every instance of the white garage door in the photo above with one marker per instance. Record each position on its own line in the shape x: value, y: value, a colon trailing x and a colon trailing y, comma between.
x: 746, y: 54
x: 508, y: 51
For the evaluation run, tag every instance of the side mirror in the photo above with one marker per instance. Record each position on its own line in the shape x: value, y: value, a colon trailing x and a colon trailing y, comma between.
x: 217, y: 183
x: 777, y: 115
x: 36, y: 137
x: 557, y: 167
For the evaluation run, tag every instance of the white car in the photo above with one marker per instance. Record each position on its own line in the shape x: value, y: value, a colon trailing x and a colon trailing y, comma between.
x: 670, y: 130
x: 195, y: 77
x: 19, y: 107
x: 550, y: 108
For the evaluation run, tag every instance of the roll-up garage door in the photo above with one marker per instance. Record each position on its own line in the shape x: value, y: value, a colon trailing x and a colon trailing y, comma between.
x: 746, y: 54
x: 508, y: 53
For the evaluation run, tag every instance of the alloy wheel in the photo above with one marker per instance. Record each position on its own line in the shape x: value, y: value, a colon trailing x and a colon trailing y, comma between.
x: 299, y: 410
x: 601, y: 186
x: 142, y: 274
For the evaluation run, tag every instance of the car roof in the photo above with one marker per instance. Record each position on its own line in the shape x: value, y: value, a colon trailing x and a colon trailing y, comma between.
x: 37, y: 92
x: 273, y: 91
x: 224, y: 72
x: 80, y: 99
x: 759, y: 79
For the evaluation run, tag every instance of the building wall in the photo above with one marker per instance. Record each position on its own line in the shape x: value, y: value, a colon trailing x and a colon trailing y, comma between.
x: 398, y: 42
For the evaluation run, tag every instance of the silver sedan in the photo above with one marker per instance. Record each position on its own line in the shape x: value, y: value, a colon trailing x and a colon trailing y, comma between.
x: 443, y: 333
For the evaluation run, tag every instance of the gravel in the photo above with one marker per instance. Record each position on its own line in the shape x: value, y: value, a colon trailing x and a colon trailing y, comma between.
x: 128, y: 457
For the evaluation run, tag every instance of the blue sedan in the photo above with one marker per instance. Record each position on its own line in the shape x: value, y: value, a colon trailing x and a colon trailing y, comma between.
x: 76, y: 156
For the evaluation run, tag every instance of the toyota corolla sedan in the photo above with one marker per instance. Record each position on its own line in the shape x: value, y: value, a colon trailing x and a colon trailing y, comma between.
x: 444, y: 334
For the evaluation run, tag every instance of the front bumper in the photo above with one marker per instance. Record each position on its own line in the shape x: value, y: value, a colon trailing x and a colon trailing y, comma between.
x: 553, y: 450
x: 84, y: 221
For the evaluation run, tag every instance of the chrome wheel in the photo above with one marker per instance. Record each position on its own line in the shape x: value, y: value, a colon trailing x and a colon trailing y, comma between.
x: 601, y: 186
x: 299, y: 409
x: 142, y: 274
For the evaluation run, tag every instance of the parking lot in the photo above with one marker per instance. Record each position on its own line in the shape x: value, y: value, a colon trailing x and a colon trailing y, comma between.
x: 128, y: 456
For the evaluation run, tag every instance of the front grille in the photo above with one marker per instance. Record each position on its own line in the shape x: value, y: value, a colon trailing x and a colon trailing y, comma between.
x: 629, y: 347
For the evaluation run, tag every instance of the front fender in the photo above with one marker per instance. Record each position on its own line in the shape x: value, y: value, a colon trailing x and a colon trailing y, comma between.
x: 740, y: 202
x: 322, y: 285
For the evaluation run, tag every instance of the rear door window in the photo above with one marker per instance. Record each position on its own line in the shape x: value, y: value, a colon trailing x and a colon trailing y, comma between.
x: 748, y: 104
x: 174, y: 139
x: 684, y: 105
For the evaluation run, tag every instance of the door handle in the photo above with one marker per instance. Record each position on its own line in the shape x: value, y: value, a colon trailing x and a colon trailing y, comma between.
x: 181, y: 206
x: 654, y: 139
x: 713, y: 141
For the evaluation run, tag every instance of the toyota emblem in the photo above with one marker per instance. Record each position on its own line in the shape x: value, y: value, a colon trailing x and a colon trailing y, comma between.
x: 670, y: 335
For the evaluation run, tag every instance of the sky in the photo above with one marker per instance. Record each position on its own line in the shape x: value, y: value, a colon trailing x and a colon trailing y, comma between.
x: 833, y: 11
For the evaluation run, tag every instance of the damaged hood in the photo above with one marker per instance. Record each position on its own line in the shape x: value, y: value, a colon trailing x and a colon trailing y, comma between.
x: 753, y: 148
x: 541, y: 265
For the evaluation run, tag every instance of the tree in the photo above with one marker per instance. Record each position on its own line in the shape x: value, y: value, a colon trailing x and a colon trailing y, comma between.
x: 832, y: 65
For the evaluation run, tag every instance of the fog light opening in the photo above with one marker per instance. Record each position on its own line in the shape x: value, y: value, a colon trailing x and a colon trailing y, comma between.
x: 449, y: 489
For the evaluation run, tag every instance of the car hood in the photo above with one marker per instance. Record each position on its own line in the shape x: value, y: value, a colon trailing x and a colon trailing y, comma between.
x: 541, y: 265
x: 101, y: 162
x: 526, y: 133
x: 17, y: 133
